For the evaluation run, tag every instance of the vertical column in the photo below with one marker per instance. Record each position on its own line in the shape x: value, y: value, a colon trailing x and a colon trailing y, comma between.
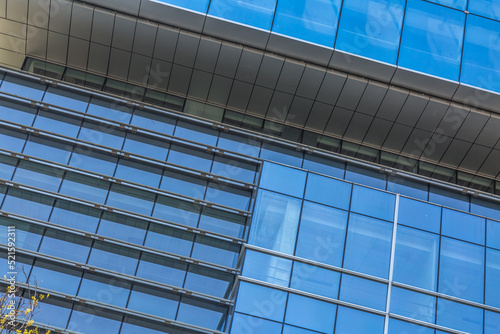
x: 391, y: 265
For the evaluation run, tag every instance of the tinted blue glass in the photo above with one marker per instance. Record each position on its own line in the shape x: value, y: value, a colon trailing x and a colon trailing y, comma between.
x: 463, y: 226
x: 267, y: 268
x: 23, y: 87
x: 256, y: 13
x: 315, y: 280
x: 419, y: 214
x: 277, y: 178
x: 65, y: 245
x: 162, y: 270
x: 234, y: 169
x: 153, y: 121
x: 87, y: 319
x: 87, y: 158
x: 183, y: 184
x: 12, y: 140
x: 484, y: 207
x: 7, y: 166
x: 280, y: 154
x: 401, y: 327
x: 413, y: 304
x: 328, y: 191
x: 146, y: 146
x: 371, y: 28
x: 222, y: 222
x: 321, y: 234
x: 493, y: 234
x: 246, y: 324
x: 458, y: 4
x: 110, y: 110
x: 324, y: 166
x: 310, y: 313
x: 27, y: 235
x: 130, y: 199
x: 48, y: 149
x: 173, y: 210
x: 104, y: 289
x: 261, y: 301
x: 170, y: 240
x: 153, y: 301
x: 138, y: 172
x: 407, y: 187
x: 373, y: 203
x: 75, y: 216
x: 38, y: 176
x: 492, y: 292
x: 84, y: 187
x: 314, y: 21
x: 66, y: 99
x: 275, y: 222
x: 199, y: 6
x: 365, y: 176
x: 416, y: 258
x: 461, y: 270
x: 449, y: 198
x: 363, y: 292
x: 190, y: 158
x: 246, y: 146
x: 57, y: 123
x: 491, y: 322
x: 228, y: 196
x: 197, y: 133
x: 368, y: 246
x: 481, y: 66
x: 488, y: 8
x: 212, y: 282
x: 56, y: 277
x: 116, y: 258
x: 101, y: 134
x: 353, y: 321
x: 16, y: 113
x: 201, y: 313
x: 459, y: 316
x: 295, y: 330
x: 123, y: 228
x: 28, y: 204
x: 432, y: 39
x: 55, y: 312
x: 215, y: 251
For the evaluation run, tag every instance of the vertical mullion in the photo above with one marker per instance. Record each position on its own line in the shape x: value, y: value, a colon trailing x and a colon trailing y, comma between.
x: 391, y: 265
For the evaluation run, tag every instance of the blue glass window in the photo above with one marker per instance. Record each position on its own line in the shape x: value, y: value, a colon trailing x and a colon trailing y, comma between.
x: 84, y: 187
x: 153, y: 121
x: 275, y: 222
x: 363, y: 292
x: 413, y: 305
x: 183, y: 184
x: 463, y: 226
x: 101, y: 134
x: 16, y: 113
x: 281, y: 154
x: 328, y: 191
x: 209, y: 281
x: 419, y: 214
x: 261, y: 301
x: 295, y: 330
x: 130, y: 199
x: 493, y: 234
x: 321, y: 234
x: 113, y: 257
x: 28, y: 204
x: 458, y: 4
x: 169, y: 239
x: 246, y: 146
x: 87, y: 158
x: 104, y: 289
x: 314, y: 21
x: 365, y: 176
x: 92, y: 319
x: 432, y: 39
x: 481, y: 65
x: 197, y: 133
x: 202, y: 313
x: 234, y: 169
x: 23, y: 87
x: 215, y: 251
x: 176, y: 211
x: 190, y: 158
x: 256, y: 13
x: 461, y: 269
x: 324, y: 166
x: 12, y: 140
x: 110, y: 110
x: 39, y: 176
x: 371, y: 28
x: 7, y: 166
x: 222, y: 222
x: 153, y: 301
x: 56, y: 277
x: 450, y: 198
x: 354, y: 321
x: 267, y: 268
x: 27, y: 235
x: 47, y: 149
x: 485, y: 207
x: 123, y: 228
x: 228, y: 196
x: 75, y: 216
x: 64, y: 98
x: 368, y: 246
x: 491, y: 322
x: 407, y: 187
x: 416, y: 258
x: 315, y: 280
x: 138, y: 172
x: 161, y: 269
x: 373, y: 203
x: 58, y: 123
x: 310, y: 313
x: 146, y: 146
x: 65, y: 245
x: 199, y: 6
x: 246, y: 324
x: 400, y: 327
x: 488, y: 8
x: 492, y: 292
x: 55, y: 312
x: 459, y: 316
x: 277, y: 178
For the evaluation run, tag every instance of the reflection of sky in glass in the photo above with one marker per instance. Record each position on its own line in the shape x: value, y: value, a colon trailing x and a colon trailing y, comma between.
x: 197, y: 5
x: 256, y: 13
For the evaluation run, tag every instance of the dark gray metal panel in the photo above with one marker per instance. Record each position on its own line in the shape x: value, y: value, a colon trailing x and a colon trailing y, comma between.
x: 160, y: 74
x: 235, y: 32
x: 289, y: 78
x: 489, y: 134
x: 453, y: 119
x: 475, y: 157
x: 311, y: 81
x: 397, y: 137
x: 287, y: 46
x: 38, y: 14
x: 477, y: 97
x: 229, y: 57
x: 166, y: 43
x: 269, y: 71
x: 279, y: 106
x: 139, y: 69
x: 455, y: 152
x: 200, y: 84
x: 472, y: 125
x: 78, y: 50
x: 60, y: 16
x: 164, y: 13
x: 249, y: 65
x: 145, y: 37
x: 240, y: 95
x: 331, y: 87
x: 319, y: 116
x: 416, y: 143
x: 339, y: 121
x: 424, y: 83
x: 358, y: 126
x: 412, y: 109
x: 17, y: 10
x: 351, y: 93
x: 392, y: 103
x: 377, y: 132
x: 259, y: 100
x: 432, y: 114
x: 123, y: 32
x: 365, y: 67
x: 81, y: 21
x: 187, y: 46
x: 208, y: 52
x: 491, y: 165
x: 102, y: 26
x: 98, y: 58
x: 299, y: 111
x: 37, y: 42
x: 179, y: 79
x: 129, y: 6
x: 436, y: 147
x: 372, y: 98
x: 119, y: 63
x: 57, y: 47
x: 219, y: 90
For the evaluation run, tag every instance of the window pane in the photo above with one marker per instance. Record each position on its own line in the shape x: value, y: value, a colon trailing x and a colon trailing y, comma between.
x: 202, y: 313
x: 277, y: 178
x: 75, y: 216
x: 84, y: 187
x: 66, y: 246
x: 88, y: 159
x: 28, y: 204
x: 492, y: 277
x: 242, y: 145
x: 368, y: 246
x: 328, y: 191
x: 407, y: 187
x: 176, y: 211
x: 47, y: 149
x: 146, y: 146
x: 275, y: 222
x: 493, y: 234
x: 161, y: 269
x: 222, y: 222
x: 295, y: 330
x: 459, y: 316
x: 371, y: 29
x: 363, y: 292
x: 448, y: 198
x: 413, y: 304
x: 138, y: 172
x: 209, y: 281
x: 116, y: 258
x: 27, y: 235
x: 463, y: 226
x: 310, y: 313
x: 419, y: 214
x: 101, y: 134
x: 183, y: 184
x: 64, y: 98
x: 324, y: 166
x: 12, y: 140
x: 169, y: 240
x: 130, y: 199
x: 485, y: 207
x: 488, y: 8
x: 229, y: 196
x: 58, y: 123
x: 354, y: 321
x: 23, y: 87
x: 256, y: 13
x: 92, y: 319
x: 246, y: 324
x: 110, y: 110
x: 216, y: 251
x: 458, y: 4
x: 55, y: 276
x: 190, y: 158
x: 55, y: 312
x: 38, y: 176
x: 197, y: 133
x: 267, y: 268
x: 372, y: 202
x: 491, y: 322
x: 153, y: 301
x: 153, y: 121
x: 104, y: 289
x: 281, y: 154
x: 321, y: 234
x: 261, y: 301
x: 234, y: 169
x: 365, y: 176
x: 123, y: 228
x: 400, y: 327
x: 16, y: 113
x: 315, y: 280
x: 7, y: 166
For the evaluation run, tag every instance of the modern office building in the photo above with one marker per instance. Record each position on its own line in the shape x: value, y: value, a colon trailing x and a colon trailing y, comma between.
x: 253, y: 166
